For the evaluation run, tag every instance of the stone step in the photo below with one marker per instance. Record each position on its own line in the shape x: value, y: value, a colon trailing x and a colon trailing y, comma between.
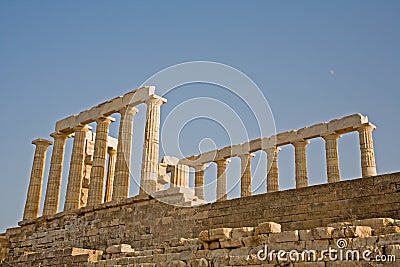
x: 179, y: 196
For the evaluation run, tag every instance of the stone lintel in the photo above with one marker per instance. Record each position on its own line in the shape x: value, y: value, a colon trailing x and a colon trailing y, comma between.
x: 343, y: 125
x: 136, y: 97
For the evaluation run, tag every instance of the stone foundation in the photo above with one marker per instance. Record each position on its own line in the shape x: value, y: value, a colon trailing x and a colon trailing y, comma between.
x: 356, y: 243
x: 4, y: 247
x: 149, y: 226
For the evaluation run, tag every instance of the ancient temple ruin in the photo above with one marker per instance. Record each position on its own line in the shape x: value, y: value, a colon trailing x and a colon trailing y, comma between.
x: 102, y: 226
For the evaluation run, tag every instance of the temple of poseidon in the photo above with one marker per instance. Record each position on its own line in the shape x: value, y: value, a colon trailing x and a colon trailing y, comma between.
x: 101, y: 225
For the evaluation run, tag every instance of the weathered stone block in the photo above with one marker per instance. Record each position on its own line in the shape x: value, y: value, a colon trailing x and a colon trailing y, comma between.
x: 286, y: 236
x: 267, y: 227
x: 230, y: 243
x: 250, y: 241
x: 177, y: 263
x: 219, y: 233
x: 242, y: 232
x: 214, y: 245
x: 374, y: 223
x: 122, y: 248
x: 322, y: 232
x: 358, y: 231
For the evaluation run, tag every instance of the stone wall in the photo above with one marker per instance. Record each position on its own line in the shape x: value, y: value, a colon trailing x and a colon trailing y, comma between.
x: 370, y: 242
x: 4, y: 247
x: 146, y: 224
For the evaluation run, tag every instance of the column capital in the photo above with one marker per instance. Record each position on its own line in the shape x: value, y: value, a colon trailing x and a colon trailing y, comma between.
x: 272, y: 149
x: 131, y: 110
x: 60, y: 135
x: 201, y: 167
x: 246, y: 156
x: 111, y: 151
x: 366, y: 126
x: 156, y: 99
x: 82, y: 128
x: 223, y: 161
x: 300, y: 143
x: 42, y: 142
x: 108, y: 119
x: 331, y: 136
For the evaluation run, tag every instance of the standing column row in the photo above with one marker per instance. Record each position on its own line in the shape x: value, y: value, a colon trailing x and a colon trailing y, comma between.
x: 32, y: 205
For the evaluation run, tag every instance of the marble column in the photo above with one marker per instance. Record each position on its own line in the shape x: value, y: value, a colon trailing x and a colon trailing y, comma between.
x: 77, y: 165
x: 52, y: 199
x: 180, y: 176
x: 98, y: 173
x: 124, y: 153
x: 32, y: 206
x: 245, y: 182
x: 112, y: 153
x: 368, y: 165
x: 149, y: 173
x: 332, y: 157
x: 301, y: 163
x: 222, y: 179
x: 272, y: 169
x: 199, y: 181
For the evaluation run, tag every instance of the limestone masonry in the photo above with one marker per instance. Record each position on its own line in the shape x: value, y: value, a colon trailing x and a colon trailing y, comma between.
x: 100, y: 225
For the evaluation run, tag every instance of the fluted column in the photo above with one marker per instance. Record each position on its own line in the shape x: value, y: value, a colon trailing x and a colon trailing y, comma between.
x: 272, y: 169
x: 180, y: 176
x: 149, y: 173
x: 301, y: 163
x: 368, y: 165
x: 32, y: 206
x: 52, y: 199
x: 245, y: 182
x: 199, y: 181
x: 332, y: 157
x: 124, y: 152
x: 112, y: 153
x: 77, y: 164
x: 221, y: 179
x: 98, y: 173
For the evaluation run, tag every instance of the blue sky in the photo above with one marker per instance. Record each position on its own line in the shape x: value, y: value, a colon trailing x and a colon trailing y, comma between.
x: 60, y: 57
